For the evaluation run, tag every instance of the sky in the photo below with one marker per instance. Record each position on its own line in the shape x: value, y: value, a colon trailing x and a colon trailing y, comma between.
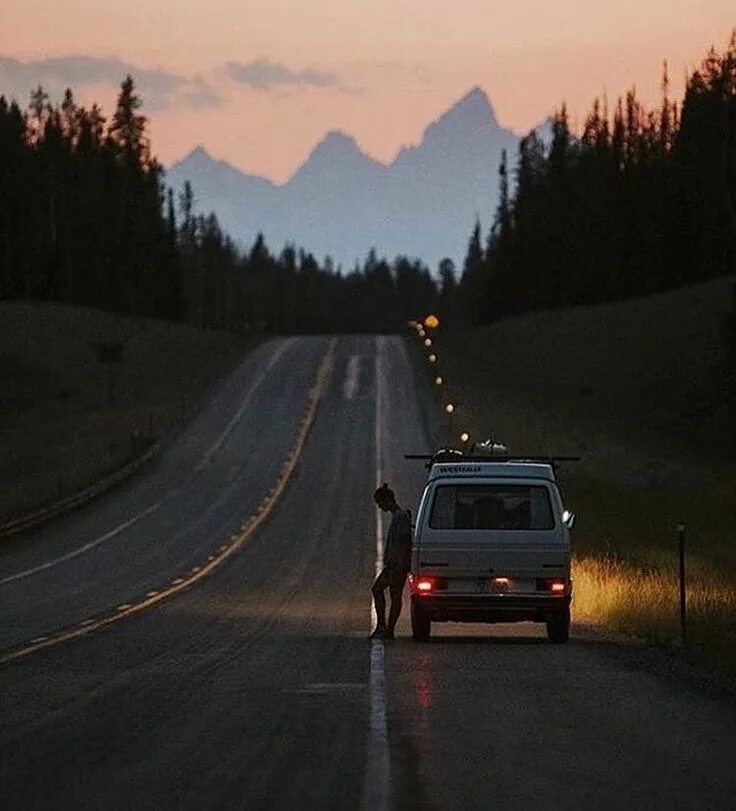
x: 259, y: 82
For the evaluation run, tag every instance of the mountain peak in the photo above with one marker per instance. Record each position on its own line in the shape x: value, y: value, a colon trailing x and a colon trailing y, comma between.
x: 469, y: 123
x: 474, y: 107
x: 205, y: 172
x: 337, y: 152
x: 337, y: 142
x: 199, y: 153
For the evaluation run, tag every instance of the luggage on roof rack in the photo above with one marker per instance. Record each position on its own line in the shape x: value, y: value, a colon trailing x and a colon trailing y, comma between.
x: 454, y: 455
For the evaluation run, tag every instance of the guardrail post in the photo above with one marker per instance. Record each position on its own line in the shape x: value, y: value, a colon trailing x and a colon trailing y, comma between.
x: 683, y: 585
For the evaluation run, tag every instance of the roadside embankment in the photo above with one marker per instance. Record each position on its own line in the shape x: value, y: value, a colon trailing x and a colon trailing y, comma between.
x: 645, y: 392
x: 83, y: 392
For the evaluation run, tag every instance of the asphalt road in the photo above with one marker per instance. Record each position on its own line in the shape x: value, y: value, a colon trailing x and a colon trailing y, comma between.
x: 256, y: 688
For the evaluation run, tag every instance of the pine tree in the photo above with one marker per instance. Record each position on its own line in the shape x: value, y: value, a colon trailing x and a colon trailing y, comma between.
x: 127, y: 132
x: 472, y: 277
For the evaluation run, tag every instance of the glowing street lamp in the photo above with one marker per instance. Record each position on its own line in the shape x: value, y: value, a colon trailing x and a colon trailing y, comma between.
x: 438, y: 380
x: 428, y: 342
x: 431, y: 322
x: 464, y: 437
x: 433, y: 358
x: 421, y: 333
x: 450, y: 408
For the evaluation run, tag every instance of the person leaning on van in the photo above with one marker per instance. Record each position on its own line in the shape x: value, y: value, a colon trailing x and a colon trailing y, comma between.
x: 396, y: 560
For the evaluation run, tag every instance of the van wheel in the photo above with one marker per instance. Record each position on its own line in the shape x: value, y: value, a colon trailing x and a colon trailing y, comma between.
x: 421, y: 625
x: 558, y: 627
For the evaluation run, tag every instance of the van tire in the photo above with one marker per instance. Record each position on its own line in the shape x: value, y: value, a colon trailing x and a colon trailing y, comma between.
x: 421, y: 624
x: 558, y: 627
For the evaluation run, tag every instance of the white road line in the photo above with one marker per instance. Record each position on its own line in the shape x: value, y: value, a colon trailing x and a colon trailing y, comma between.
x: 154, y: 597
x: 377, y: 778
x: 352, y: 376
x: 139, y: 516
x: 246, y: 402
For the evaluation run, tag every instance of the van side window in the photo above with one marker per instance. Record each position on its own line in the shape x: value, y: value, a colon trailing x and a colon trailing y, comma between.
x: 491, y: 506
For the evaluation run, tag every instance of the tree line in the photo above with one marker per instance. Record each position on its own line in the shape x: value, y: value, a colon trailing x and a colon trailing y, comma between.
x: 80, y: 208
x: 86, y: 219
x: 642, y: 201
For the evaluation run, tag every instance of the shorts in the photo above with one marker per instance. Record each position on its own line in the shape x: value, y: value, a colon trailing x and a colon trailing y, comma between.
x: 392, y: 577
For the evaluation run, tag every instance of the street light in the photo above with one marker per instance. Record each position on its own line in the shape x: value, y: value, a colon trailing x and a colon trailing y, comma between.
x: 433, y: 358
x: 438, y: 380
x: 428, y: 342
x: 450, y: 408
x: 422, y: 333
x: 464, y: 437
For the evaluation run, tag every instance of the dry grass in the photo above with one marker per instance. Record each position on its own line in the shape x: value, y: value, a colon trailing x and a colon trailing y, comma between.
x: 645, y: 391
x: 645, y: 602
x: 60, y: 430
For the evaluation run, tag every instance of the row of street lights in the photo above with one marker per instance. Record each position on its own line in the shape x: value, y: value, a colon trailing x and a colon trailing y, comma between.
x: 422, y: 329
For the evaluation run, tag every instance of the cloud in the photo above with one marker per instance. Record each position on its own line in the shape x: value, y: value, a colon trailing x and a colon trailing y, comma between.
x: 265, y: 75
x: 160, y: 89
x: 198, y: 93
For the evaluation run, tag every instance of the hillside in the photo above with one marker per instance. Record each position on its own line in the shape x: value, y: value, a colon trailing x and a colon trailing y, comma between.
x: 65, y: 422
x: 647, y: 386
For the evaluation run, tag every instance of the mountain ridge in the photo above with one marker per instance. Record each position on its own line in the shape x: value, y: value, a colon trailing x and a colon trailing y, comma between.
x: 342, y: 202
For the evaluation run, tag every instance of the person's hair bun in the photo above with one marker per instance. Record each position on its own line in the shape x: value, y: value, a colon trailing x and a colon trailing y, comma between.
x: 384, y: 492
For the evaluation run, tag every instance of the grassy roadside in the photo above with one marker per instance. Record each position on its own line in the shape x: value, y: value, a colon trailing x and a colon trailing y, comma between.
x: 651, y: 410
x: 626, y: 562
x: 69, y: 419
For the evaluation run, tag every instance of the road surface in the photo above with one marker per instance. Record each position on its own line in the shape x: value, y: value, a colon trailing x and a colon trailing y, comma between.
x: 255, y: 687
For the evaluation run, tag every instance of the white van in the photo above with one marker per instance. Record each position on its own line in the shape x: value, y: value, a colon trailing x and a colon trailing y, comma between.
x: 491, y: 545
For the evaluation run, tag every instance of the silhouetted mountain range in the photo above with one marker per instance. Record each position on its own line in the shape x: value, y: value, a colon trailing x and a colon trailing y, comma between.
x: 340, y: 202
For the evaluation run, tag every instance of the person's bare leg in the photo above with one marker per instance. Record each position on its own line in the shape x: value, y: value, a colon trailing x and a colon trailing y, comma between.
x: 379, y: 600
x: 395, y: 611
x: 396, y: 589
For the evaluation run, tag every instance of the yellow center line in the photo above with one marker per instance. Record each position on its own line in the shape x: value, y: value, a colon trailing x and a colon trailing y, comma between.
x: 225, y: 551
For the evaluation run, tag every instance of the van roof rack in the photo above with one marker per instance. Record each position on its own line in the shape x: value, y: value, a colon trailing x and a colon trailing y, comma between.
x: 456, y: 456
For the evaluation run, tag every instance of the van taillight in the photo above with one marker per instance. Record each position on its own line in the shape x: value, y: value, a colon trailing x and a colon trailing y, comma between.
x: 425, y: 585
x: 556, y: 586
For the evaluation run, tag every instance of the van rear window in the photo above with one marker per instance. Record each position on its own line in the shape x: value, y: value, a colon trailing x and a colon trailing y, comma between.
x: 491, y: 506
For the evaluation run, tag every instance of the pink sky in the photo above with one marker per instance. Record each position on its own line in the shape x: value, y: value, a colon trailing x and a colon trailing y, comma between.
x: 380, y: 70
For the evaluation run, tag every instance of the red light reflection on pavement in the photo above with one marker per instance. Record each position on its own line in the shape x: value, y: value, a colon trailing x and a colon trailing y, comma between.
x: 424, y: 684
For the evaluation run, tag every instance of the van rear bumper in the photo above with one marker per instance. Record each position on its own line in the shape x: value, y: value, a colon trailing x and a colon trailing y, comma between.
x: 491, y: 607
